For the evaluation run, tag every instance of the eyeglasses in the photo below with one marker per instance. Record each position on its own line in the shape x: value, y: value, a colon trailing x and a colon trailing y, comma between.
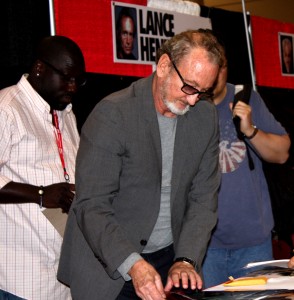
x: 79, y: 81
x: 189, y: 89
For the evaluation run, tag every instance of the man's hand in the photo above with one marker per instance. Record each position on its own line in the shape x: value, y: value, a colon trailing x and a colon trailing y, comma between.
x: 181, y: 274
x: 291, y: 263
x: 244, y: 112
x: 146, y: 281
x: 59, y: 195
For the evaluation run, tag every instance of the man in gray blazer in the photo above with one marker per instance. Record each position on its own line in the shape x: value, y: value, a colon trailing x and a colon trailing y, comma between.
x: 146, y: 181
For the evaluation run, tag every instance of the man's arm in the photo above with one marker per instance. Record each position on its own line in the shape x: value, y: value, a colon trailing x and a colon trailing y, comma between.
x: 271, y: 147
x: 54, y: 196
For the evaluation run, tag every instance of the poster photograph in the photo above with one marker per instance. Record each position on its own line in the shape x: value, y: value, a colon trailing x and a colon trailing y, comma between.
x: 138, y: 31
x: 286, y: 53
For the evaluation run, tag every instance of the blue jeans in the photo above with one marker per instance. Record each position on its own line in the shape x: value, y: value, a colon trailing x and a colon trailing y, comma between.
x: 220, y: 263
x: 7, y: 296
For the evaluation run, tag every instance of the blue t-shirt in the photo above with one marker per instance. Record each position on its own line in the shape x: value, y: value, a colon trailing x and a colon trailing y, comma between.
x: 244, y: 211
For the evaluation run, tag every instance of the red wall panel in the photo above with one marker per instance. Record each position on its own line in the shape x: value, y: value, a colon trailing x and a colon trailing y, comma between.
x: 89, y: 23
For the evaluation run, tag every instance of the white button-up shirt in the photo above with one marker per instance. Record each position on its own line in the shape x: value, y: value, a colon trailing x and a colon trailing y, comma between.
x: 29, y: 243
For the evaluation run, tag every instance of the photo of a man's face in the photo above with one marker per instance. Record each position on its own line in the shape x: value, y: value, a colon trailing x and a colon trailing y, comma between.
x: 125, y: 33
x: 286, y: 54
x: 126, y: 36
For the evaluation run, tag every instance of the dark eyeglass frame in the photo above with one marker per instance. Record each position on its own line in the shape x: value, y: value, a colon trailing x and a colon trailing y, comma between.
x: 189, y: 89
x: 69, y: 79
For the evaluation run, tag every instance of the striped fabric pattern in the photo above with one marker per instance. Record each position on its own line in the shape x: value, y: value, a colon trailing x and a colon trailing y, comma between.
x: 29, y: 244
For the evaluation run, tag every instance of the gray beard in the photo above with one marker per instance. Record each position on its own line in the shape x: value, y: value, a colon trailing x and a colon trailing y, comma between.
x: 172, y: 107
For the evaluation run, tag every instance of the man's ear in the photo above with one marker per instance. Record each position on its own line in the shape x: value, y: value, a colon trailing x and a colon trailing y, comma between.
x: 163, y: 66
x: 38, y: 67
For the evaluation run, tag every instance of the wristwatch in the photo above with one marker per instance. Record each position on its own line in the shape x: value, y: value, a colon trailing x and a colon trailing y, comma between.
x: 253, y: 133
x: 41, y: 193
x: 186, y: 260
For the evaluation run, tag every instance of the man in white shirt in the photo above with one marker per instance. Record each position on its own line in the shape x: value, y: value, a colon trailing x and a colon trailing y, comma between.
x: 38, y: 142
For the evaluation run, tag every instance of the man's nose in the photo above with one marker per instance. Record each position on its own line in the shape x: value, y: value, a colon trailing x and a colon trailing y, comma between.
x: 72, y: 86
x: 192, y: 99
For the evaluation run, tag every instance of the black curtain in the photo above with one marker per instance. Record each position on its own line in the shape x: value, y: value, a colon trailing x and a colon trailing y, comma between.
x: 230, y: 28
x: 24, y: 23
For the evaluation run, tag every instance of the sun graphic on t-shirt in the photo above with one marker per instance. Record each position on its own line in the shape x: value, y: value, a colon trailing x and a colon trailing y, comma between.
x: 231, y: 155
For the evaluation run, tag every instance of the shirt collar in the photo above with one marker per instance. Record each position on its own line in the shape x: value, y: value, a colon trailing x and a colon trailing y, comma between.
x: 35, y: 98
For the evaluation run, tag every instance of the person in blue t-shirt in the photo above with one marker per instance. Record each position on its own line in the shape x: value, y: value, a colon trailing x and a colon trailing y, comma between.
x: 245, y: 220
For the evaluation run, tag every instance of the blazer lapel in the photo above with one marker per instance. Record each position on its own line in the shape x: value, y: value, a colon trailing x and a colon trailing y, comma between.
x: 150, y: 116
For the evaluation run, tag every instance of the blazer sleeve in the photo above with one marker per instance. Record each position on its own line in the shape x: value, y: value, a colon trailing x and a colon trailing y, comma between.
x: 98, y: 168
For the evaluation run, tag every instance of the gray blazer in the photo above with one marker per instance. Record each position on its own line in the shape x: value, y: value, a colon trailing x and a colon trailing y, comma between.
x: 118, y: 182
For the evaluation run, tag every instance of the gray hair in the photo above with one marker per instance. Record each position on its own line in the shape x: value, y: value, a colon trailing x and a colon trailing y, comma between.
x: 183, y: 43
